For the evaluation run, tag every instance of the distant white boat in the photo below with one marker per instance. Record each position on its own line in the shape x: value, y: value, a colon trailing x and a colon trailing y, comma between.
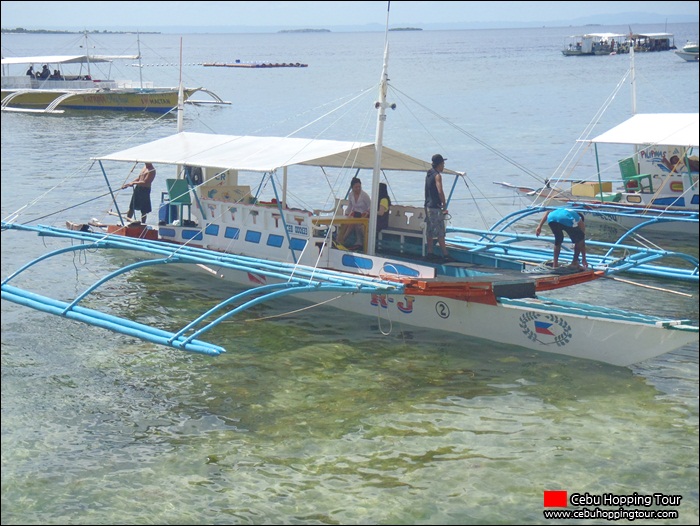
x: 689, y: 52
x: 644, y: 42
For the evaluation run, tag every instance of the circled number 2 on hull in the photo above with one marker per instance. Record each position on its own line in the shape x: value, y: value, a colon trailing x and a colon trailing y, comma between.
x: 442, y: 309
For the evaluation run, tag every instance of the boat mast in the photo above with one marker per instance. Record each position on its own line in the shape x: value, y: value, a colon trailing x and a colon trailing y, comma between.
x: 180, y: 96
x: 138, y: 47
x: 633, y: 81
x: 381, y: 105
x: 180, y: 118
x: 87, y: 53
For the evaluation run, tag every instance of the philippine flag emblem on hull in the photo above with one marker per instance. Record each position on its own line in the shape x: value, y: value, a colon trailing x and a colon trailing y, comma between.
x: 547, y: 329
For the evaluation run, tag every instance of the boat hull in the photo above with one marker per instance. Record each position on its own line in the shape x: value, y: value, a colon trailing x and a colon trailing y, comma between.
x: 630, y: 211
x: 618, y: 224
x: 529, y: 325
x: 576, y: 53
x: 151, y: 100
x: 688, y: 56
x: 624, y: 219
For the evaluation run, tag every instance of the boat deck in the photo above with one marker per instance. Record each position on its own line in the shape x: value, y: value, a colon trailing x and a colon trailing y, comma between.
x: 488, y: 285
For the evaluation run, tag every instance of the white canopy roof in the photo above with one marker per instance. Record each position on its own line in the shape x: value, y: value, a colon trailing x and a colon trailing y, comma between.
x: 667, y: 129
x: 605, y: 35
x: 64, y: 59
x: 600, y: 36
x: 264, y: 154
x: 652, y: 35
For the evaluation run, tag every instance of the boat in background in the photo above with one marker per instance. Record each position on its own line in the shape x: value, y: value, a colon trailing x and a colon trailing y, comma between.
x: 617, y: 43
x: 645, y: 42
x: 595, y: 44
x: 69, y: 82
x: 80, y: 91
x: 229, y: 213
x: 689, y: 52
x: 656, y: 191
x: 657, y: 187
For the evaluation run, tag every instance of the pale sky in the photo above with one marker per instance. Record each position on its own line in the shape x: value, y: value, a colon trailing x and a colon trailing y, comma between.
x: 99, y: 15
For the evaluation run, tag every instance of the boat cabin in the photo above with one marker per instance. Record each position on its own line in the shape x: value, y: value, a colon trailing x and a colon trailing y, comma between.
x: 643, y: 42
x: 69, y: 72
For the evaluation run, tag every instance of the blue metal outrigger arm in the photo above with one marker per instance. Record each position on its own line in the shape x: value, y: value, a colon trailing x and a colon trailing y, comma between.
x: 294, y: 279
x: 503, y: 243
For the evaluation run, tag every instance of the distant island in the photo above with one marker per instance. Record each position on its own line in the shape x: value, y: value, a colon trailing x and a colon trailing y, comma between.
x: 305, y: 31
x: 61, y: 32
x: 406, y: 29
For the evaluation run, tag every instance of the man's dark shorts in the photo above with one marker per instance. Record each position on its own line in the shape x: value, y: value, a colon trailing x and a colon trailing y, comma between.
x: 575, y: 233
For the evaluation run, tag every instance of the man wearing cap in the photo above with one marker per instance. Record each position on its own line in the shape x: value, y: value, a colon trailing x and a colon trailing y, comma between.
x: 435, y: 208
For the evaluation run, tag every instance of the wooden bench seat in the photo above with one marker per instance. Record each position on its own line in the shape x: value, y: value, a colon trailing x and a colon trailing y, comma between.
x: 405, y: 232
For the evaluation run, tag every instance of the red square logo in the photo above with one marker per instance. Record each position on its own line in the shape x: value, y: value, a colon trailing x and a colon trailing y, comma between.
x: 555, y: 499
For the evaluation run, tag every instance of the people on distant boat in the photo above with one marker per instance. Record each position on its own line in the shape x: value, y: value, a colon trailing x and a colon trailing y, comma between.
x: 359, y: 205
x: 45, y: 72
x: 30, y: 71
x: 56, y: 75
x: 384, y: 202
x: 141, y: 198
x: 562, y: 220
x: 435, y: 208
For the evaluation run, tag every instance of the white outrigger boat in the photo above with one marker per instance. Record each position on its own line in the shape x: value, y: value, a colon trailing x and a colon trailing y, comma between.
x: 216, y: 222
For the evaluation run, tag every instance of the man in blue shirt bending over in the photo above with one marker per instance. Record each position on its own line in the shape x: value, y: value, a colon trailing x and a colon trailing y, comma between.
x: 562, y: 220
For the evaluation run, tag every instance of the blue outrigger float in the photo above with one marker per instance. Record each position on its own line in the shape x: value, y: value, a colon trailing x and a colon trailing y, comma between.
x: 293, y: 281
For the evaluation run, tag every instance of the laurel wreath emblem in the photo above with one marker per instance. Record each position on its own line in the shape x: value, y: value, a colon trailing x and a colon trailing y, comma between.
x: 527, y: 323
